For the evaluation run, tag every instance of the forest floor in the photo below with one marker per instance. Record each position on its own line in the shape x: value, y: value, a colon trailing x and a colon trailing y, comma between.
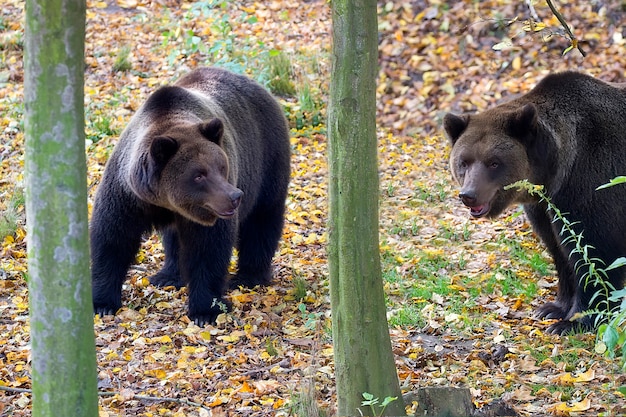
x: 460, y: 292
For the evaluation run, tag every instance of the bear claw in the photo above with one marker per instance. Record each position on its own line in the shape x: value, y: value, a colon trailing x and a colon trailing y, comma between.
x: 218, y: 306
x: 550, y: 311
x: 161, y: 279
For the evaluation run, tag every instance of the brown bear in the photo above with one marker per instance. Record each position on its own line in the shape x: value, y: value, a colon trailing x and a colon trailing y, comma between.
x: 569, y: 135
x: 206, y: 161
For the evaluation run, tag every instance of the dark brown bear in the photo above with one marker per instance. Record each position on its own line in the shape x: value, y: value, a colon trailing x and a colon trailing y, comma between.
x: 206, y: 162
x: 569, y: 135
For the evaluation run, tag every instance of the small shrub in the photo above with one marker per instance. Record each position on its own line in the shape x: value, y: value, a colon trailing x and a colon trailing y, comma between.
x: 304, y: 402
x: 11, y: 217
x: 610, y: 310
x: 122, y: 60
x: 280, y: 74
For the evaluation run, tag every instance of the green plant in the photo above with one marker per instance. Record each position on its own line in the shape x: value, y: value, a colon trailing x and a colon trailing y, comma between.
x: 309, y: 112
x: 299, y: 288
x: 370, y: 401
x: 100, y: 128
x: 304, y: 403
x: 280, y: 74
x: 311, y: 320
x: 610, y: 304
x: 11, y: 41
x: 13, y: 214
x: 122, y: 60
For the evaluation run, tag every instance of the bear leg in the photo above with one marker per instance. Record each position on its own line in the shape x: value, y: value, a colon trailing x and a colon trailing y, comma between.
x: 568, y: 283
x: 115, y: 238
x: 169, y: 275
x: 258, y: 241
x: 204, y: 257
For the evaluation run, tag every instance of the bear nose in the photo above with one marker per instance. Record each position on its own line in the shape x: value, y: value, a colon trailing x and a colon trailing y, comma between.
x: 235, y: 198
x: 468, y: 198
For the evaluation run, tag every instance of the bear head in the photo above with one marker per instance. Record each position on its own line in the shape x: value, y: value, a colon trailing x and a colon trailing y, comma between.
x: 489, y: 151
x: 189, y: 172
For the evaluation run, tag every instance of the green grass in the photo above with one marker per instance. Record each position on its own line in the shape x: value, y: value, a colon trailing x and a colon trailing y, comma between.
x: 100, y: 128
x: 285, y: 75
x: 13, y: 214
x: 303, y: 402
x: 281, y: 73
x: 122, y: 60
x: 300, y: 288
x: 11, y: 40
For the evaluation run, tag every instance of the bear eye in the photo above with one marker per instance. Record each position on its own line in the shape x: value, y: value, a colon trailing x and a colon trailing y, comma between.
x: 463, y: 164
x: 493, y: 165
x: 199, y: 177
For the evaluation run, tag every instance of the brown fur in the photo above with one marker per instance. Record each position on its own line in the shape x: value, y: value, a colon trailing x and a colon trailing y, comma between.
x: 569, y: 135
x: 206, y: 162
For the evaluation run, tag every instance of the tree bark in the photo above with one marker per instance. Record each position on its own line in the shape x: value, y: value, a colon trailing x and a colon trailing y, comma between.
x: 61, y: 314
x: 362, y: 348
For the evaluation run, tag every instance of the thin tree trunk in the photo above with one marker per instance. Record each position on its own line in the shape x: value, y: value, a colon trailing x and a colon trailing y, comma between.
x: 362, y: 348
x: 61, y: 314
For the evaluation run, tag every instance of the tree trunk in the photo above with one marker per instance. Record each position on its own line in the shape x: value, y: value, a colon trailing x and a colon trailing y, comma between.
x: 61, y: 314
x: 362, y: 348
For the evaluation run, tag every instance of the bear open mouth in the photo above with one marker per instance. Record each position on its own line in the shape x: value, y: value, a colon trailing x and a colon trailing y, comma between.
x: 479, y: 211
x: 226, y: 214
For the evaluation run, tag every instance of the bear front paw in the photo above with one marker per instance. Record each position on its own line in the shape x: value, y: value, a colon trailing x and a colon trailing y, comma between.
x: 105, y: 310
x: 161, y: 279
x: 551, y: 311
x: 204, y: 315
x: 567, y: 327
x: 249, y: 280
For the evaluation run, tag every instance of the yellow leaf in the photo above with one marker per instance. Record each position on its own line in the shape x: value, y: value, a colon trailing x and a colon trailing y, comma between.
x: 532, y: 26
x: 127, y: 4
x: 157, y: 373
x: 573, y: 407
x: 245, y: 387
x: 232, y: 337
x: 517, y: 62
x: 242, y: 298
x: 569, y: 378
x: 218, y: 401
x: 162, y: 339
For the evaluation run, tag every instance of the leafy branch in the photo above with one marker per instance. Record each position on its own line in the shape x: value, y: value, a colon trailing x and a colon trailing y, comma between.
x: 572, y: 38
x: 612, y: 333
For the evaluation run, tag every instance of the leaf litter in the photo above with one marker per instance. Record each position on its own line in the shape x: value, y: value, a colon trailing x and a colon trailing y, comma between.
x: 460, y: 292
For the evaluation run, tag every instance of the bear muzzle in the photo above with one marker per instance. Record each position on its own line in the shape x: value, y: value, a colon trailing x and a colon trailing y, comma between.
x: 470, y: 200
x: 230, y: 206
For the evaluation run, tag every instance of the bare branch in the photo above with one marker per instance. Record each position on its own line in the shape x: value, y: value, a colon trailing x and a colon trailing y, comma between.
x: 571, y: 36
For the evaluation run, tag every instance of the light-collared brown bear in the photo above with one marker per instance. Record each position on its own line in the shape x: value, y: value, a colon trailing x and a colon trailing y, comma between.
x: 206, y: 161
x: 569, y: 135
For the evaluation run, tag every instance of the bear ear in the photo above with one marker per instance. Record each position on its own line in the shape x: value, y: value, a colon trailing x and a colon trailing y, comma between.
x: 212, y: 130
x: 163, y: 148
x: 523, y: 121
x: 454, y: 125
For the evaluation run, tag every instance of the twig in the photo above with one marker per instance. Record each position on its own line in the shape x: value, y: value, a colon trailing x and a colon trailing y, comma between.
x: 183, y: 401
x: 531, y: 8
x: 572, y: 38
x: 11, y: 389
x: 159, y: 399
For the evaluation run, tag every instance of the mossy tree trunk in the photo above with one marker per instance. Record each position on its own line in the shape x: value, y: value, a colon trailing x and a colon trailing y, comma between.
x: 64, y: 377
x: 362, y: 348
